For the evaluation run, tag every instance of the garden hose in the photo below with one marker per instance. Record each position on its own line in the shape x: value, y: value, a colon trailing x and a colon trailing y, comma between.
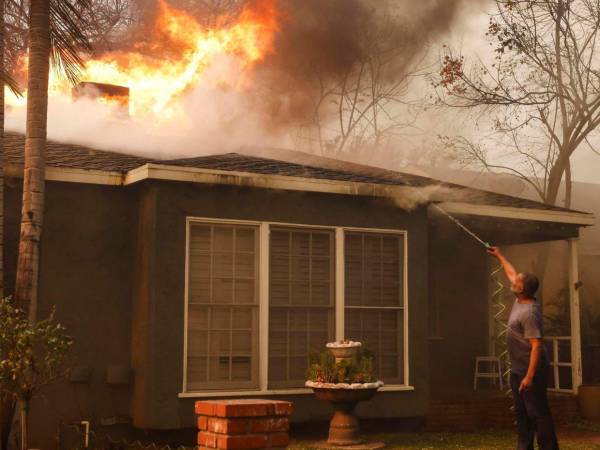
x: 500, y: 328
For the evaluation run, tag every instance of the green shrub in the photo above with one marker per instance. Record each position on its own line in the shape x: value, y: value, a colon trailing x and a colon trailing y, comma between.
x: 324, y: 369
x: 31, y: 356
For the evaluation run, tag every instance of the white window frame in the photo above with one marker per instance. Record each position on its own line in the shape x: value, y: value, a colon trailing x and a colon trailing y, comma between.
x: 263, y: 307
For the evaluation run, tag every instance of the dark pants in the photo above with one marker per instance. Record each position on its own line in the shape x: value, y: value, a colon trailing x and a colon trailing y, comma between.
x: 533, y: 412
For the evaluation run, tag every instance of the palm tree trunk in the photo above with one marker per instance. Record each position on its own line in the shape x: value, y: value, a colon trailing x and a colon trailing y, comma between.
x: 26, y: 287
x: 2, y: 31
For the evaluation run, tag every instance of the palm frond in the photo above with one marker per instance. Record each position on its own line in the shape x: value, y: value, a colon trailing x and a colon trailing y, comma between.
x: 9, y: 81
x: 67, y: 36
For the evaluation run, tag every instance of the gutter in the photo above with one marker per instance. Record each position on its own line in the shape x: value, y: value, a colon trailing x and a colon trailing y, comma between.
x: 542, y: 215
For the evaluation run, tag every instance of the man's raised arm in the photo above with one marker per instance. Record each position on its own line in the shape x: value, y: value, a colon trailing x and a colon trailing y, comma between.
x: 509, y: 269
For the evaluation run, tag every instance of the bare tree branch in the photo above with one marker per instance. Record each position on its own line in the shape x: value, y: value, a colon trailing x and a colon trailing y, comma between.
x: 547, y: 67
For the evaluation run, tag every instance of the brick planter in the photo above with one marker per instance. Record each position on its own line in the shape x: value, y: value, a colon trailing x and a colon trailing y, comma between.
x: 243, y: 424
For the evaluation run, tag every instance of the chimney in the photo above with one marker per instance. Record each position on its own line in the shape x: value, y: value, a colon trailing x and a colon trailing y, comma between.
x: 108, y: 92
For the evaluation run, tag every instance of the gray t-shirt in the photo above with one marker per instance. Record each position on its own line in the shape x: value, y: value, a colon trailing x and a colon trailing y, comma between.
x: 525, y: 322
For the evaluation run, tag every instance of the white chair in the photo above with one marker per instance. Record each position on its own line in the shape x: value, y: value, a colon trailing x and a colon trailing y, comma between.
x: 496, y: 370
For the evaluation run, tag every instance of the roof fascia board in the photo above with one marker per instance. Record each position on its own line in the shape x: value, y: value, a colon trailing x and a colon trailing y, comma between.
x: 235, y: 178
x: 71, y: 175
x: 518, y: 213
x: 136, y: 175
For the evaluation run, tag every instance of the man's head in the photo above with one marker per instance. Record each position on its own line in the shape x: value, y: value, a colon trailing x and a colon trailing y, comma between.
x: 526, y: 284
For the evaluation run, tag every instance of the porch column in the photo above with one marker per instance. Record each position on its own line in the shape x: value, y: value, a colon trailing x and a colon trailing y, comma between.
x: 575, y: 314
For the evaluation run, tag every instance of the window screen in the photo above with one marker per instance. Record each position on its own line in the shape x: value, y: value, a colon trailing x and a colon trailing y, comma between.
x: 301, y: 301
x: 374, y: 292
x: 222, y: 309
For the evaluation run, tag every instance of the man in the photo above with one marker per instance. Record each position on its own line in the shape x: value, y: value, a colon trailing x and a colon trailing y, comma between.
x: 529, y: 361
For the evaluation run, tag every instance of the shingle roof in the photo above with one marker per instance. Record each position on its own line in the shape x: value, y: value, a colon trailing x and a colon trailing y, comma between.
x: 82, y: 157
x: 73, y: 156
x: 360, y: 174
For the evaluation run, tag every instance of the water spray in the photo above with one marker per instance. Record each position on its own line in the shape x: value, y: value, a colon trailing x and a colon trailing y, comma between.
x: 459, y: 224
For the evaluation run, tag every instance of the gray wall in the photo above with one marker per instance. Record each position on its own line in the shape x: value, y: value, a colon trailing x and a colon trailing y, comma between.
x: 459, y: 271
x: 175, y: 201
x: 86, y: 272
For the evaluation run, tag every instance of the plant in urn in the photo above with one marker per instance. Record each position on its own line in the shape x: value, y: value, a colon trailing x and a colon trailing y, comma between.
x: 343, y: 376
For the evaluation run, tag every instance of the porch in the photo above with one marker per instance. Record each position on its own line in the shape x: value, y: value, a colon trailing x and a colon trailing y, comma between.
x: 470, y: 301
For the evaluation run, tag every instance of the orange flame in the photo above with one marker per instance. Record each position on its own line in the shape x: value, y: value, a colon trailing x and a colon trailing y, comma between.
x: 174, y: 61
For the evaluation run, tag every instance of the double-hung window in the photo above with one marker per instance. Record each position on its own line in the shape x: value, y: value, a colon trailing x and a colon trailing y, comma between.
x: 301, y: 301
x: 222, y: 307
x: 374, y: 298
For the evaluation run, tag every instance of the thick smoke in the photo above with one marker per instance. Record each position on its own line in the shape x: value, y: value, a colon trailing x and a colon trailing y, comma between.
x: 317, y: 44
x: 320, y: 42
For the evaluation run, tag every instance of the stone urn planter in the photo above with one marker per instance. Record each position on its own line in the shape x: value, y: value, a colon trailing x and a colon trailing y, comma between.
x: 344, y: 429
x: 344, y: 350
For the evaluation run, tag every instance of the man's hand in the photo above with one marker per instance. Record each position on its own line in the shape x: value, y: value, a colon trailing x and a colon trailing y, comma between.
x: 525, y: 384
x: 494, y: 251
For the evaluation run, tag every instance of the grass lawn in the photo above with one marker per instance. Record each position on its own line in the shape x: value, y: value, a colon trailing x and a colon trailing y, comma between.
x: 569, y: 439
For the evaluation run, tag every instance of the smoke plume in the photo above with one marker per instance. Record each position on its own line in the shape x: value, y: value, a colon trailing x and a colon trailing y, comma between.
x: 317, y: 44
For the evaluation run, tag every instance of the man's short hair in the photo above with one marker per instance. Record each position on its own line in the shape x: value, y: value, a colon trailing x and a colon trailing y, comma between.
x: 530, y: 284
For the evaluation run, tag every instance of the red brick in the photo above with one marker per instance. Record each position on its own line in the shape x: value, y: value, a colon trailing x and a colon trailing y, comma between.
x: 248, y: 441
x: 206, y: 408
x: 206, y: 439
x: 202, y: 422
x: 227, y: 426
x: 244, y: 408
x: 279, y: 439
x: 282, y: 408
x: 269, y: 424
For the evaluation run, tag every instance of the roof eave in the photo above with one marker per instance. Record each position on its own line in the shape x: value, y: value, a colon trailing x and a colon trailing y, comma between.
x: 270, y: 181
x: 71, y: 175
x: 506, y: 212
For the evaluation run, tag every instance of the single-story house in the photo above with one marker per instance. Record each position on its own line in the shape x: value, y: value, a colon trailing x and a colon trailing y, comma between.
x: 214, y: 276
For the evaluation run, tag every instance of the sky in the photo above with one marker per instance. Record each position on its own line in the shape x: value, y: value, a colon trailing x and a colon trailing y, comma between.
x: 468, y: 35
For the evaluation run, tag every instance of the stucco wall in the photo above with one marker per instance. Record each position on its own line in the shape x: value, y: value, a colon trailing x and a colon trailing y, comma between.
x: 175, y: 201
x: 86, y: 262
x: 459, y: 270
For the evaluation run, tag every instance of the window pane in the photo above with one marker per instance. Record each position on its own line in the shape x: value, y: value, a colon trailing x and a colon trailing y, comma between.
x: 197, y: 368
x: 374, y: 269
x: 245, y: 291
x: 222, y: 347
x: 241, y: 343
x: 301, y: 299
x: 244, y: 240
x: 382, y: 332
x: 565, y: 376
x: 223, y: 239
x: 241, y: 368
x: 564, y: 351
x: 242, y: 319
x: 197, y: 317
x: 223, y: 265
x: 222, y: 290
x: 197, y: 343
